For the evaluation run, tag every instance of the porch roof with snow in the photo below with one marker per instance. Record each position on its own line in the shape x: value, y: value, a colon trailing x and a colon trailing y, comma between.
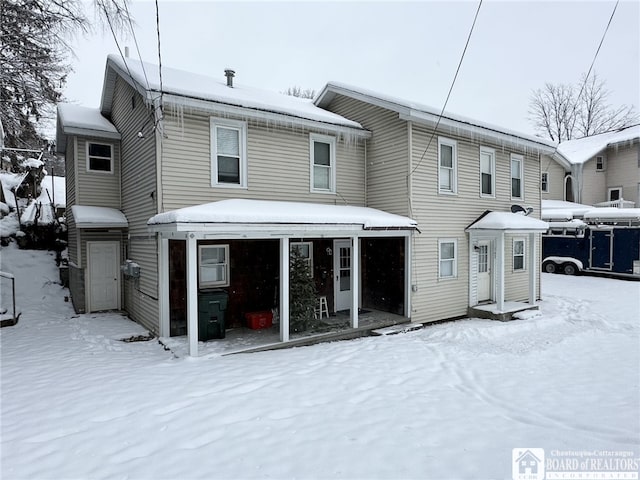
x: 582, y: 149
x: 89, y: 216
x: 416, y: 112
x: 239, y: 216
x: 77, y: 120
x: 201, y: 92
x: 507, y: 222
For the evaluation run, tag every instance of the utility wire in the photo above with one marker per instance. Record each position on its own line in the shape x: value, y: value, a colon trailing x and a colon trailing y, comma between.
x: 135, y: 40
x: 448, y: 94
x: 159, y: 59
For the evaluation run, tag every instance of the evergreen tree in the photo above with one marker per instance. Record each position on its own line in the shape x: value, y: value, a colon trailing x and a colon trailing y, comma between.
x: 302, y: 293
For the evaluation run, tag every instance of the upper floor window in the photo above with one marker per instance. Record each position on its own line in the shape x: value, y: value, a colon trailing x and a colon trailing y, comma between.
x: 228, y: 153
x: 517, y: 183
x: 323, y: 163
x: 99, y: 157
x: 214, y: 265
x: 599, y: 163
x: 544, y: 182
x: 447, y: 258
x: 447, y: 165
x: 518, y: 254
x: 487, y: 172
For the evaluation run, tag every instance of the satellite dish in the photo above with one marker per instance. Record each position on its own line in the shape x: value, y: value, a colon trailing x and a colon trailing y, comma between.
x: 518, y: 209
x: 529, y: 211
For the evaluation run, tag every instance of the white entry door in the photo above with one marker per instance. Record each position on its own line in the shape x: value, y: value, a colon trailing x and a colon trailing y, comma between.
x: 103, y: 259
x: 342, y: 274
x: 484, y: 271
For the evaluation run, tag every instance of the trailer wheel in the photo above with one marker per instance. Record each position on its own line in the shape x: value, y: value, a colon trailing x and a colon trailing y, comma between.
x: 569, y: 269
x: 549, y: 267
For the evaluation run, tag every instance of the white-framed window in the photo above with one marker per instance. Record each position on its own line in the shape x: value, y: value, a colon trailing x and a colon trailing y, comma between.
x: 517, y: 177
x: 518, y: 254
x: 213, y: 265
x: 305, y: 250
x: 228, y: 153
x: 323, y: 163
x: 487, y: 172
x: 544, y: 182
x: 99, y: 157
x: 600, y: 165
x: 447, y: 165
x: 615, y: 193
x: 447, y: 258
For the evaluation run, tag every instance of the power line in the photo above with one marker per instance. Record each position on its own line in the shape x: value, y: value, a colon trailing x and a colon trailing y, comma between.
x: 135, y: 41
x: 159, y: 59
x: 450, y: 90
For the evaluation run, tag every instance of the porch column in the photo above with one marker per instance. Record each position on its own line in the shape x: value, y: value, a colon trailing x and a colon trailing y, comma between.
x: 284, y: 289
x: 407, y: 276
x: 355, y: 280
x: 533, y: 269
x: 163, y: 283
x: 192, y: 294
x: 500, y: 271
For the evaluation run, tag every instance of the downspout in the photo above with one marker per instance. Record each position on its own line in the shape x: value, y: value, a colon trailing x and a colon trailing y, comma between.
x: 366, y: 180
x: 410, y: 167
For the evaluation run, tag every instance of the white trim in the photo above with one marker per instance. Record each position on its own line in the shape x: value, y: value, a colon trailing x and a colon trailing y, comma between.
x: 534, y: 269
x: 453, y: 190
x: 454, y: 260
x: 603, y: 164
x: 192, y: 294
x: 284, y: 289
x: 313, y: 138
x: 355, y: 277
x: 611, y: 189
x: 241, y: 127
x: 163, y: 281
x: 492, y: 166
x: 408, y: 290
x: 519, y: 158
x: 111, y: 158
x: 522, y: 240
x: 544, y: 182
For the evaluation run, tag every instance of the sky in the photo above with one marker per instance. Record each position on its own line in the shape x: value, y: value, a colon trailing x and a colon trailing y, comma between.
x: 408, y: 50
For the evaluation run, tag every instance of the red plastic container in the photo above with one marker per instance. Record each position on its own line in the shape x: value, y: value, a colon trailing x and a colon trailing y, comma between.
x: 258, y: 320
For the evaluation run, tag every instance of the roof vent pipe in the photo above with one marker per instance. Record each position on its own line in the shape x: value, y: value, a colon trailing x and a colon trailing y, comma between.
x: 229, y: 74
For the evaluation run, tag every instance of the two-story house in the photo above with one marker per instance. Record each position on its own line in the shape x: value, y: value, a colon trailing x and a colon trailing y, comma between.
x: 595, y: 170
x: 197, y: 183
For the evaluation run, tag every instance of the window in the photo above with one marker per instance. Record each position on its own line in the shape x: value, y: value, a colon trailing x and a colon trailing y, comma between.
x: 615, y: 193
x: 99, y: 157
x: 448, y: 165
x: 305, y: 250
x: 544, y: 182
x: 228, y: 153
x: 516, y: 176
x: 214, y: 265
x: 447, y: 258
x: 518, y: 254
x: 487, y: 172
x: 323, y: 172
x: 599, y: 163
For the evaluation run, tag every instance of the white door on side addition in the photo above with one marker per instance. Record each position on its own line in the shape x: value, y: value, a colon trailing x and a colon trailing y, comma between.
x: 484, y: 272
x: 342, y: 274
x: 103, y: 259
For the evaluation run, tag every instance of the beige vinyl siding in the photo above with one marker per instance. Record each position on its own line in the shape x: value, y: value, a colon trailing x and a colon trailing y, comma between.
x: 131, y: 115
x: 70, y: 187
x: 278, y: 165
x: 100, y: 189
x: 593, y: 183
x: 556, y: 179
x: 623, y: 171
x: 447, y: 216
x: 387, y: 153
x: 516, y: 284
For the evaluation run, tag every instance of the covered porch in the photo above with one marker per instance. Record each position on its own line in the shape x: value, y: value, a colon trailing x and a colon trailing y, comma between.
x: 247, y: 245
x: 488, y: 260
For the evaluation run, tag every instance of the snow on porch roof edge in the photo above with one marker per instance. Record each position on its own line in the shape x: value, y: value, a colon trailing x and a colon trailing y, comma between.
x: 507, y: 221
x: 240, y: 211
x: 89, y: 216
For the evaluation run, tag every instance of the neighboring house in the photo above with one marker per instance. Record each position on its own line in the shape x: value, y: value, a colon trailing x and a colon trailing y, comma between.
x: 595, y: 170
x: 205, y: 184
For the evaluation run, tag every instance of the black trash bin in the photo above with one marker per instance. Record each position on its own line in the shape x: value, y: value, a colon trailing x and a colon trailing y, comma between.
x: 212, y: 305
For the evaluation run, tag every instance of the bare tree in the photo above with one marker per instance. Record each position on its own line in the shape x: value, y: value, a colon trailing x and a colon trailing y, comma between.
x: 34, y: 58
x: 299, y: 92
x: 563, y: 111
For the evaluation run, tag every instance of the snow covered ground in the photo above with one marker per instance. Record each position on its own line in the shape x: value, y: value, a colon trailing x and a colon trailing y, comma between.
x: 447, y: 402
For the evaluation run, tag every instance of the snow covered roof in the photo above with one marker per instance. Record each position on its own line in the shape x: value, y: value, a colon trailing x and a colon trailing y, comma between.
x: 77, y: 120
x: 263, y: 212
x: 87, y: 216
x: 583, y: 149
x: 414, y: 111
x: 178, y: 86
x: 553, y: 209
x: 507, y: 221
x: 612, y: 213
